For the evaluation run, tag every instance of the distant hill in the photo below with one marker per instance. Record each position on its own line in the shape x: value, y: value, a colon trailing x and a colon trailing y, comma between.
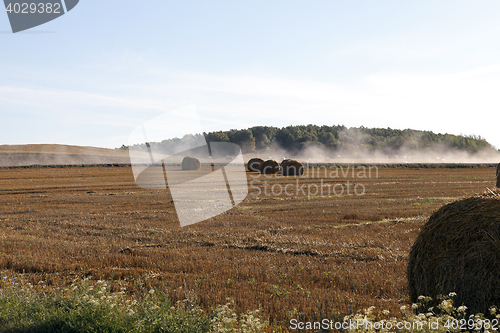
x: 297, y: 139
x: 51, y: 154
x: 305, y: 141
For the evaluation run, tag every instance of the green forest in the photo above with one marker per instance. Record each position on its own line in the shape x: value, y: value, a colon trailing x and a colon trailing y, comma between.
x: 336, y: 137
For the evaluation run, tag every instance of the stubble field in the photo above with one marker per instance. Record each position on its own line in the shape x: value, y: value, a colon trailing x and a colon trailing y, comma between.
x: 290, y: 255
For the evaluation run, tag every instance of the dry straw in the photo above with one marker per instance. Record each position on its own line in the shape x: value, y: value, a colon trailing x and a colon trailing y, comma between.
x: 191, y: 163
x: 458, y: 250
x: 255, y: 164
x: 292, y: 168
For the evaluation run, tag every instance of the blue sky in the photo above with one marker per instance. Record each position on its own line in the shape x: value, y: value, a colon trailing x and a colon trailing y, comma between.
x: 93, y: 75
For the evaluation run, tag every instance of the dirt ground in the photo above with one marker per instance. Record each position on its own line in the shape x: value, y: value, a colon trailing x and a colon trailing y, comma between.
x: 304, y: 251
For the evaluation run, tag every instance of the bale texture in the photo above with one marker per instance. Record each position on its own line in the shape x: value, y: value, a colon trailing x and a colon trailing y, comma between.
x: 292, y: 168
x: 458, y: 250
x: 498, y: 175
x: 270, y: 167
x: 255, y: 164
x: 191, y: 163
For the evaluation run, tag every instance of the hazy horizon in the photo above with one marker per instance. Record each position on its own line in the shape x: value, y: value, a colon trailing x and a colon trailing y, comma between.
x: 60, y: 155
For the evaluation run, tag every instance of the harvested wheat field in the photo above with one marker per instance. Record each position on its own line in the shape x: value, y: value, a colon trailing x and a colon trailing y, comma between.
x: 304, y: 250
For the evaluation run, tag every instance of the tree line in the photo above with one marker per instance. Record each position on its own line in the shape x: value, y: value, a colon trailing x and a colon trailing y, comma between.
x: 336, y: 137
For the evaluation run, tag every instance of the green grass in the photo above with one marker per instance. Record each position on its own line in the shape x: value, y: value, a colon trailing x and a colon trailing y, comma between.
x: 86, y: 307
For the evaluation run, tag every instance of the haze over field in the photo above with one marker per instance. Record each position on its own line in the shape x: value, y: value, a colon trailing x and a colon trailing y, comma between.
x: 44, y: 154
x: 339, y: 144
x: 322, y: 155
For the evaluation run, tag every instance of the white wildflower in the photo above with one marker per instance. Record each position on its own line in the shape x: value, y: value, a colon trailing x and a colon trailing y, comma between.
x: 446, y: 305
x: 462, y: 308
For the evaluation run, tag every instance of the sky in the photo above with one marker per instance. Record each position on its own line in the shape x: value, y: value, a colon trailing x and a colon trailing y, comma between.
x: 93, y: 75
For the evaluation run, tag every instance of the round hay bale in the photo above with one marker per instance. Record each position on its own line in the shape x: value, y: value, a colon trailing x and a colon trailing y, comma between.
x: 292, y: 168
x: 458, y: 250
x: 191, y: 163
x: 255, y: 164
x: 270, y: 167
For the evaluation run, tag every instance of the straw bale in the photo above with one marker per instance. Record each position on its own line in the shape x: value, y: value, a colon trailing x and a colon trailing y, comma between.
x: 292, y: 168
x: 191, y: 163
x: 458, y: 250
x: 270, y: 167
x: 254, y: 164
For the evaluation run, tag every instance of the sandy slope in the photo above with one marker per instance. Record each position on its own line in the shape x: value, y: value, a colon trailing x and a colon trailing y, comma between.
x: 61, y: 149
x: 49, y: 154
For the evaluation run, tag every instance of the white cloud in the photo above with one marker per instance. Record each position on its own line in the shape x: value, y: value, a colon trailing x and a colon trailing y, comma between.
x: 463, y: 102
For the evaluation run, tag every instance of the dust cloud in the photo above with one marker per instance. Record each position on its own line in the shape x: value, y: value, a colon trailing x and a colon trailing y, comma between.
x: 436, y: 154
